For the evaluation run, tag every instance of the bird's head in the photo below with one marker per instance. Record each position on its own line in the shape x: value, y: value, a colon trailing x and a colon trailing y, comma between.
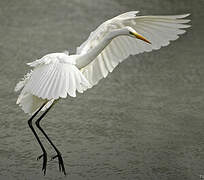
x: 131, y: 32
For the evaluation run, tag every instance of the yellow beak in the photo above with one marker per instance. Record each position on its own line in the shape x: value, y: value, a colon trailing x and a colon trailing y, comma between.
x: 138, y: 36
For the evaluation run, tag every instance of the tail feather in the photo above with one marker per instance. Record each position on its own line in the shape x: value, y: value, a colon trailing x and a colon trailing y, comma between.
x: 30, y: 103
x: 23, y: 81
x: 27, y: 101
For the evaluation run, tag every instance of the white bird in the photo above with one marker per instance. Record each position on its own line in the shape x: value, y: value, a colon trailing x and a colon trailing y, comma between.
x: 57, y: 75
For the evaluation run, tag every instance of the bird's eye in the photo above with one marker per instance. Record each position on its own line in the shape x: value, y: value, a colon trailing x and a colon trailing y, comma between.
x: 131, y: 33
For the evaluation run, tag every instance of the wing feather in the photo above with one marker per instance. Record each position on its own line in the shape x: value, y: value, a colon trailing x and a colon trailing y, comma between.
x: 159, y: 30
x: 111, y: 55
x: 107, y: 63
x: 41, y: 76
x: 72, y: 85
x: 55, y: 80
x: 47, y: 82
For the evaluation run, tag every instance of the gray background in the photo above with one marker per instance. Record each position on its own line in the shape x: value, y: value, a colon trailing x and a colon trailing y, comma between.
x: 144, y: 121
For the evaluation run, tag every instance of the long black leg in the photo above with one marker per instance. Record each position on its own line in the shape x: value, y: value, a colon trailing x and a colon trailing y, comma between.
x: 44, y: 155
x: 59, y: 156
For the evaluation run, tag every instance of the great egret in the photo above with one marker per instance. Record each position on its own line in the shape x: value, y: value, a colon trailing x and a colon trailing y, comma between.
x: 58, y: 74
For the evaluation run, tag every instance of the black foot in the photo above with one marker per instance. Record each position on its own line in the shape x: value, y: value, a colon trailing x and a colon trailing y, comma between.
x: 61, y: 163
x: 44, y: 156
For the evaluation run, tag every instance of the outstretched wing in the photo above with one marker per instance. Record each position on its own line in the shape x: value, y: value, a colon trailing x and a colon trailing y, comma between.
x: 54, y: 76
x: 159, y: 30
x: 53, y: 80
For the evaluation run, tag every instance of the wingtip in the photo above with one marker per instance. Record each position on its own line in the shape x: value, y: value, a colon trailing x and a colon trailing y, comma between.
x: 185, y: 15
x: 30, y: 64
x: 180, y: 16
x: 188, y: 14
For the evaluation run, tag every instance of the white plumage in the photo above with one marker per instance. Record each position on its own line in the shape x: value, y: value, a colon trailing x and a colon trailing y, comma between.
x: 54, y: 76
x: 159, y: 30
x: 58, y: 74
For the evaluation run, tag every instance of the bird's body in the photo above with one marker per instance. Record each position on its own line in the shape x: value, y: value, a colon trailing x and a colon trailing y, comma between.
x: 57, y: 75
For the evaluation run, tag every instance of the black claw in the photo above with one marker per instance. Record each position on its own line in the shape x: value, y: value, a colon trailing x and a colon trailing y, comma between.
x: 54, y: 157
x: 39, y: 157
x: 44, y: 171
x: 44, y: 155
x: 60, y: 162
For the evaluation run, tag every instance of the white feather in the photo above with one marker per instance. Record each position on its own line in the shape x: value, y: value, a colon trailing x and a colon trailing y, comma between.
x: 52, y: 78
x: 159, y: 30
x: 56, y: 75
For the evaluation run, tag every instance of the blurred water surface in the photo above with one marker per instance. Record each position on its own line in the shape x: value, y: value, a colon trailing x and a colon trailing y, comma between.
x: 144, y: 121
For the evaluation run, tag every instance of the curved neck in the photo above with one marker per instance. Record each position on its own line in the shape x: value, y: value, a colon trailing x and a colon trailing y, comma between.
x: 84, y: 59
